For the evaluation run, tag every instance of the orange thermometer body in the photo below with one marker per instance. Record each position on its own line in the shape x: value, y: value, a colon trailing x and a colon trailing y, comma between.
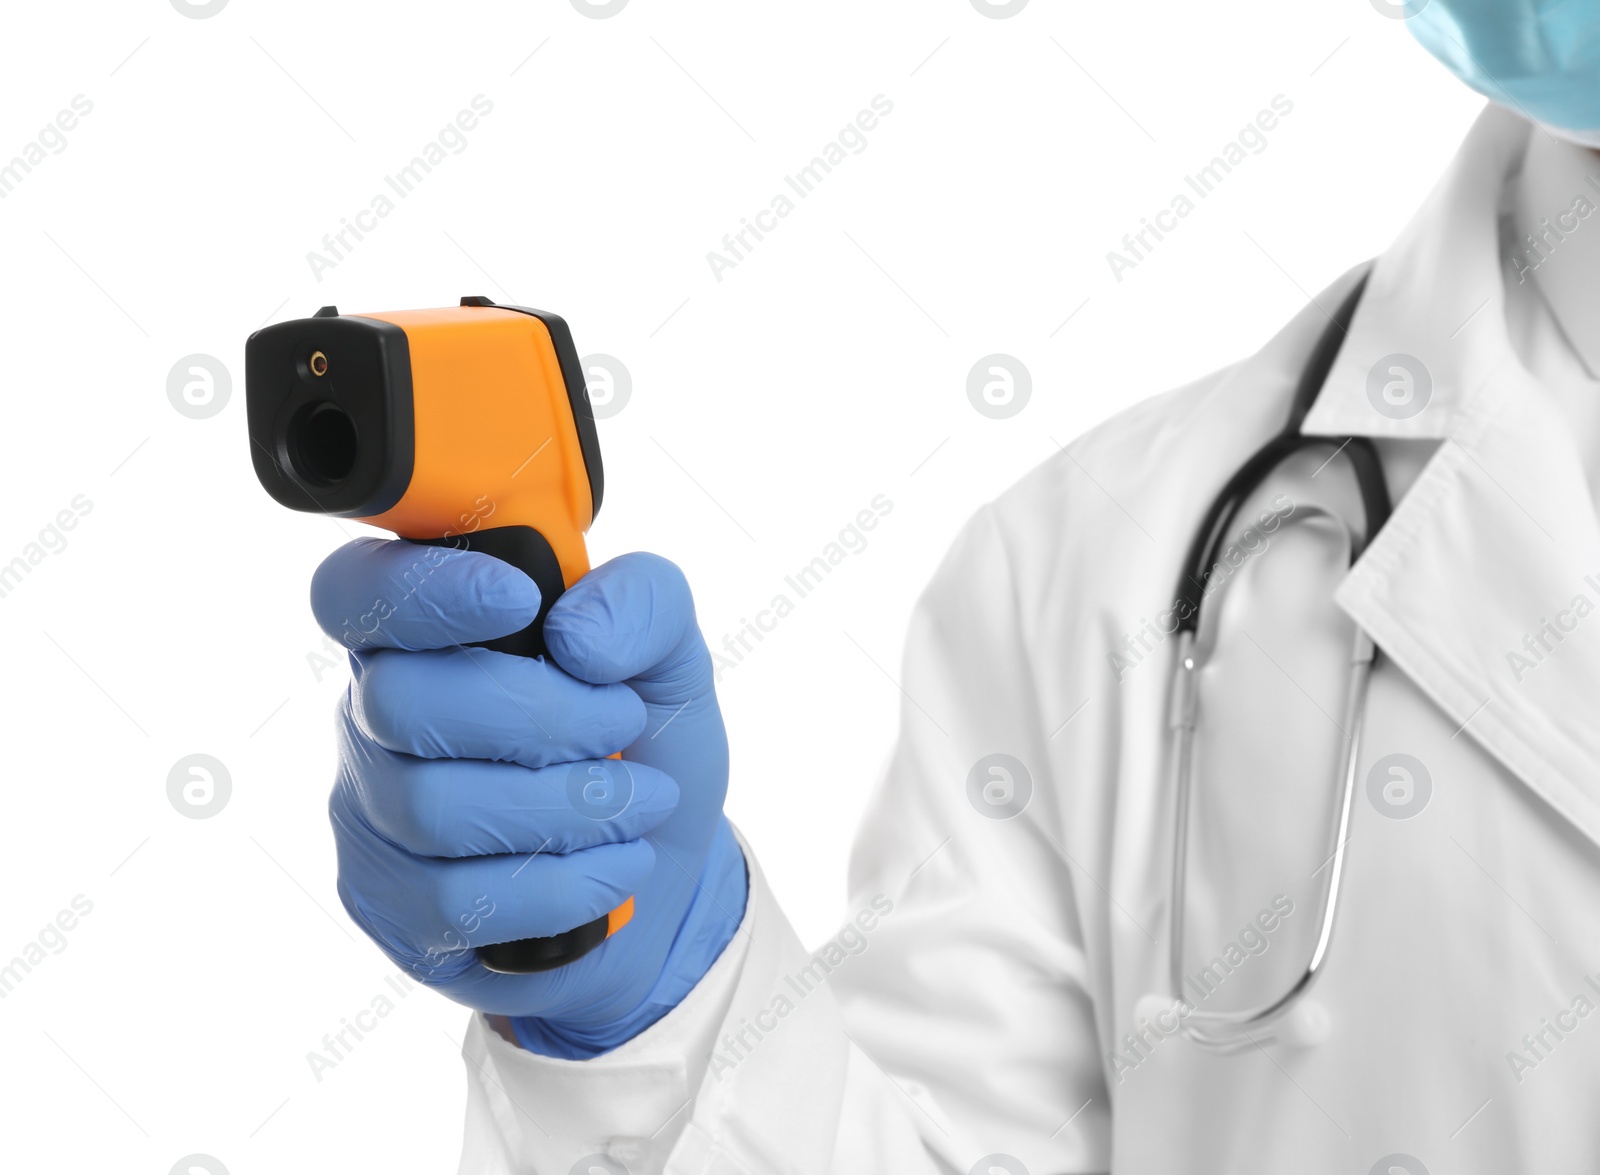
x: 467, y: 426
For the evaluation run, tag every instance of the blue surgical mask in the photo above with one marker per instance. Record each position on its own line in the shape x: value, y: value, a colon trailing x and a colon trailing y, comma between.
x: 1540, y: 58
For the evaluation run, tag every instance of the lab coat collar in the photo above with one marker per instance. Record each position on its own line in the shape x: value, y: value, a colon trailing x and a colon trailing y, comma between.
x: 1556, y: 192
x: 1435, y: 304
x: 1484, y: 587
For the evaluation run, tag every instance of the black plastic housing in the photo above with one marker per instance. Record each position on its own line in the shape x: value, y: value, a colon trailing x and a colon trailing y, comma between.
x: 370, y: 384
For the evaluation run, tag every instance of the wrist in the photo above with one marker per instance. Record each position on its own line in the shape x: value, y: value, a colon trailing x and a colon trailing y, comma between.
x: 709, y: 924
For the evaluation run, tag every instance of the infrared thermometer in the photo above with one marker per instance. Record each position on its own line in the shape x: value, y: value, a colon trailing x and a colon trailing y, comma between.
x: 468, y: 426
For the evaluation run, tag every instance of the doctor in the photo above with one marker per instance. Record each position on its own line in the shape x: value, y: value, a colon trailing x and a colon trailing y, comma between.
x: 1020, y: 986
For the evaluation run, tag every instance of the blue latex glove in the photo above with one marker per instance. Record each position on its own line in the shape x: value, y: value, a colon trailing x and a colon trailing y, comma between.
x: 451, y: 809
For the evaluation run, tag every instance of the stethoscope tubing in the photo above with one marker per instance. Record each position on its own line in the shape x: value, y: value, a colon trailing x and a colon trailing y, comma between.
x: 1230, y: 1031
x: 1240, y: 1029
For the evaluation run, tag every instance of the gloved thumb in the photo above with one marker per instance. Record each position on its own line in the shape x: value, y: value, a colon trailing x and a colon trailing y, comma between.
x: 632, y: 619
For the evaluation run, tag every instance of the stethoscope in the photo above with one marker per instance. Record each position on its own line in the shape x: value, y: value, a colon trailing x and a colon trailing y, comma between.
x: 1197, y: 631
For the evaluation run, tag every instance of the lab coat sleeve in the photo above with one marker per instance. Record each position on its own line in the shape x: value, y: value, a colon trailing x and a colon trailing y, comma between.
x: 976, y: 990
x: 946, y: 1021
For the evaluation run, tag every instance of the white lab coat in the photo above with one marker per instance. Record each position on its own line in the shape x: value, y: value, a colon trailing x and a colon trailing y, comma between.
x: 985, y: 1006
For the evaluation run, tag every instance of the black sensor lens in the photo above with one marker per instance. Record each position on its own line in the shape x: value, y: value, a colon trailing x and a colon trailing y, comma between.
x: 322, y: 444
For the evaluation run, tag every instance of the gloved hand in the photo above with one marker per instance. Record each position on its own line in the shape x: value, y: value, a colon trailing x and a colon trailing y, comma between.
x: 451, y: 809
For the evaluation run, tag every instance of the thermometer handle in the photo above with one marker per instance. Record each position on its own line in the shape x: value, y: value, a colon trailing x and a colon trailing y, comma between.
x: 528, y: 551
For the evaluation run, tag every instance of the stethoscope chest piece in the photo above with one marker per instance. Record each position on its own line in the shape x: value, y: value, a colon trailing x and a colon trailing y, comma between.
x: 1305, y: 1024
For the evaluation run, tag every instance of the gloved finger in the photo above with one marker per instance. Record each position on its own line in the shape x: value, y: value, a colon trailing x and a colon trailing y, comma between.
x: 390, y: 594
x: 632, y: 619
x: 478, y: 704
x: 475, y: 807
x: 415, y: 906
x: 537, y: 896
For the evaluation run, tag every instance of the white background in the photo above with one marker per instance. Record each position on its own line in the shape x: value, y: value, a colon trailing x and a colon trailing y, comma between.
x: 767, y: 409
